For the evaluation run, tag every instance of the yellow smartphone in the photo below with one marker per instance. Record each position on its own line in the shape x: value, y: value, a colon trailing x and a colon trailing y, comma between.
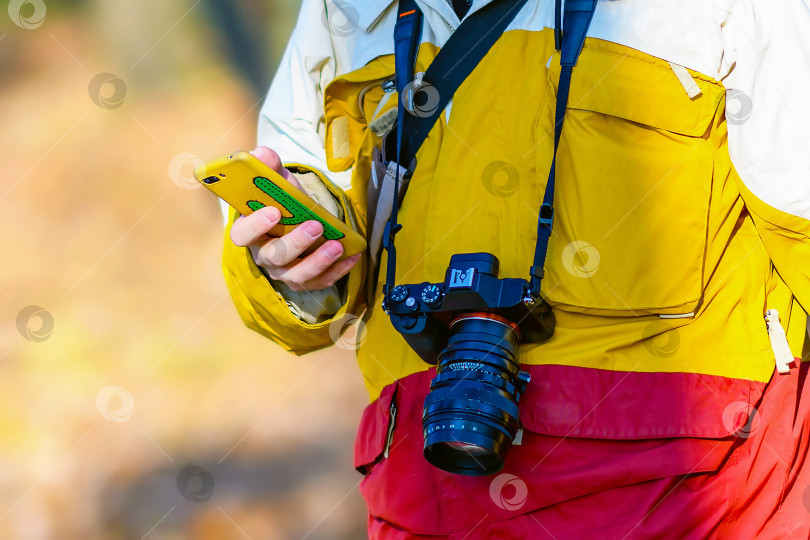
x: 243, y: 181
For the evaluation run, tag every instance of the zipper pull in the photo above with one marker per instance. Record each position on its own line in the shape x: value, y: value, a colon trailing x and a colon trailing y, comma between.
x: 391, y: 422
x: 374, y: 180
x: 779, y: 343
x: 518, y: 436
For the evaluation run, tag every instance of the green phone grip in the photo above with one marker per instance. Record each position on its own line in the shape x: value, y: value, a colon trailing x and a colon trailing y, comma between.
x: 300, y: 213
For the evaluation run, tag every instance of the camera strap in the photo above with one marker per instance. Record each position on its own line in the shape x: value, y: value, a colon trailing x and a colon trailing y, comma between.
x: 568, y: 39
x: 460, y: 54
x: 458, y: 57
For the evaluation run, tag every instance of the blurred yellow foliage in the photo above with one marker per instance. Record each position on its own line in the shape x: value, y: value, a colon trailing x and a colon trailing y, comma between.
x: 147, y: 370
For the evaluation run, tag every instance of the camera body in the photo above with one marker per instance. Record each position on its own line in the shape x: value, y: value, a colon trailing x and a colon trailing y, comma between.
x: 470, y: 326
x: 423, y: 312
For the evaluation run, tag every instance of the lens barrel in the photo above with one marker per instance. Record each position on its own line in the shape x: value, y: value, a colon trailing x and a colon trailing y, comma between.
x: 471, y: 413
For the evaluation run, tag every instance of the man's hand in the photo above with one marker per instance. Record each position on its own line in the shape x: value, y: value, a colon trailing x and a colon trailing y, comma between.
x: 281, y: 257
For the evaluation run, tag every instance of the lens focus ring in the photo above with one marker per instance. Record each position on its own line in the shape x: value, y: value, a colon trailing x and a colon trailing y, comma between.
x: 471, y: 414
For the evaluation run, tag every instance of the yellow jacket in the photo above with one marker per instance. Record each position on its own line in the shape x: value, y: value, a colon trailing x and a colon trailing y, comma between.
x: 679, y: 219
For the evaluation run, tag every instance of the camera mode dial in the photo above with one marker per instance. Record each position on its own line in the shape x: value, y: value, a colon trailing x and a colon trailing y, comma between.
x: 432, y: 295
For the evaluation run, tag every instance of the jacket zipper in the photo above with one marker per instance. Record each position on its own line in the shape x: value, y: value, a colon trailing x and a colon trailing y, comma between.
x: 391, y: 422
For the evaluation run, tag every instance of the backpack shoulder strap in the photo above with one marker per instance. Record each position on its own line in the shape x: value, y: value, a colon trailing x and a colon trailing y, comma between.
x: 457, y: 59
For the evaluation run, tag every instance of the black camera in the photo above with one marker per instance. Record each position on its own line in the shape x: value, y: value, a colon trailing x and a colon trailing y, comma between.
x: 470, y: 326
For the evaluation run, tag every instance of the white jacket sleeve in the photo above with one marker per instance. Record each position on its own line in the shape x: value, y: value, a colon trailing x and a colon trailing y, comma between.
x: 767, y: 50
x: 768, y: 109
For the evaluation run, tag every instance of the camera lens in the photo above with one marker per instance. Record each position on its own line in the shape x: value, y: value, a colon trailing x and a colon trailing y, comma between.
x: 471, y: 414
x: 471, y: 449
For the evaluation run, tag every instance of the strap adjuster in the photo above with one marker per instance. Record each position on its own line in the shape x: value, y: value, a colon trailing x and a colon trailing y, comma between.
x: 389, y: 233
x: 537, y: 273
x: 546, y: 215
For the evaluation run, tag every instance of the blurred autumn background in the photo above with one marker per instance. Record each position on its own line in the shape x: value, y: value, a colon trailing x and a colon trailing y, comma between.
x: 133, y: 402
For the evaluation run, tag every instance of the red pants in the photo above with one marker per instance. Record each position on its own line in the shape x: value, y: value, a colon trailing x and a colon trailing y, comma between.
x: 749, y: 484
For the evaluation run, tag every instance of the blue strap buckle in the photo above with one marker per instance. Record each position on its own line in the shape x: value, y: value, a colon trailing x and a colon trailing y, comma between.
x: 546, y: 215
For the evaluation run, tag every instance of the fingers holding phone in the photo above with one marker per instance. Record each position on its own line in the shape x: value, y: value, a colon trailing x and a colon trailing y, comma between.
x: 249, y: 229
x: 284, y: 257
x: 317, y: 270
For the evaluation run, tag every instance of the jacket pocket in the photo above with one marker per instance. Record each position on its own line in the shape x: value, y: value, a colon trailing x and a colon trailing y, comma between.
x: 399, y: 486
x: 376, y: 430
x: 633, y: 187
x: 351, y: 102
x: 585, y: 431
